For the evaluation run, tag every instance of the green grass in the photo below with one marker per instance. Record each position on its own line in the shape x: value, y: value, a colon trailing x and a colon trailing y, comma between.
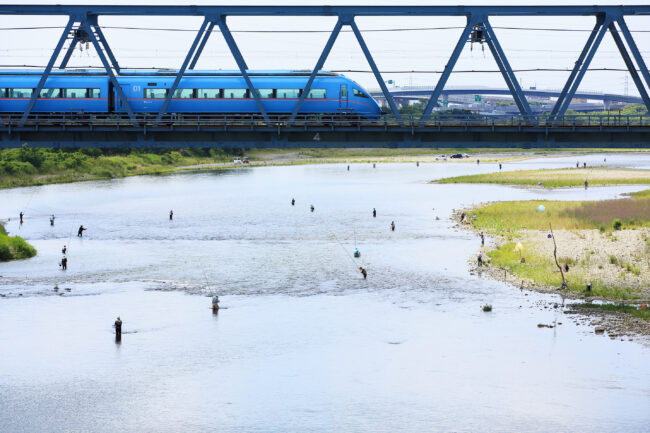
x: 14, y: 247
x: 554, y: 178
x: 624, y: 308
x: 31, y: 166
x: 506, y: 218
x: 543, y: 271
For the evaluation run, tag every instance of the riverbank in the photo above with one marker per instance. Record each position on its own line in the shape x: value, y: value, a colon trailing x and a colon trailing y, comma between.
x: 14, y: 247
x: 35, y: 166
x: 604, y: 244
x: 555, y: 178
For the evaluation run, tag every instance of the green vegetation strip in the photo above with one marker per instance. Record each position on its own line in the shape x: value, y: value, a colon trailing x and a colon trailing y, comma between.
x: 555, y: 178
x: 40, y: 166
x: 506, y: 218
x: 624, y: 308
x: 14, y: 247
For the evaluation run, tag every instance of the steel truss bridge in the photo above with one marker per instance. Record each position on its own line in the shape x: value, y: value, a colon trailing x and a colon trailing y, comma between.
x: 263, y: 130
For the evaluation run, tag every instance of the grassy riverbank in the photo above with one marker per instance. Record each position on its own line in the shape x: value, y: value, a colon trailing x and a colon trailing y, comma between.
x: 554, y: 178
x: 35, y: 166
x: 14, y: 247
x: 605, y: 243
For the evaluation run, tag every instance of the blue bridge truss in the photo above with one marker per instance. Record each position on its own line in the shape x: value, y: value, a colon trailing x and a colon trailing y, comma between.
x: 263, y: 130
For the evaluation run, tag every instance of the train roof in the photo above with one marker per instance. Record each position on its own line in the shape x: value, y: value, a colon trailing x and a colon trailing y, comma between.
x: 171, y: 72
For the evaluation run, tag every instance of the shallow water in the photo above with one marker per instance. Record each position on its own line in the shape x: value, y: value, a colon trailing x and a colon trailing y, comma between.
x: 304, y: 344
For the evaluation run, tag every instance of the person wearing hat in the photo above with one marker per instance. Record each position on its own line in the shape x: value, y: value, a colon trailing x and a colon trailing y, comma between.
x: 118, y: 329
x: 363, y: 272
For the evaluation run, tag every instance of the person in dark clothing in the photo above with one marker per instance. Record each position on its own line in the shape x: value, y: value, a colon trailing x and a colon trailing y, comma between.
x: 392, y: 226
x: 462, y: 217
x: 482, y: 239
x: 21, y: 217
x: 480, y: 259
x: 311, y: 207
x: 171, y: 215
x: 64, y: 263
x: 417, y: 164
x: 293, y: 202
x: 348, y: 168
x: 80, y: 232
x: 374, y: 165
x: 118, y: 329
x: 577, y: 165
x: 584, y: 164
x: 52, y: 220
x: 500, y: 166
x: 566, y: 267
x: 363, y: 272
x: 586, y: 184
x: 374, y: 212
x: 64, y: 249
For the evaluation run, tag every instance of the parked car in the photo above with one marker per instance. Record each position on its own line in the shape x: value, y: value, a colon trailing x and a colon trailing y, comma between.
x: 456, y: 155
x: 237, y: 161
x: 245, y: 161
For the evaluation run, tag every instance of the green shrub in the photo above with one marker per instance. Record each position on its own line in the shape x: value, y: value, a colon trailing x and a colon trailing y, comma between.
x: 617, y: 224
x: 5, y: 252
x: 613, y: 260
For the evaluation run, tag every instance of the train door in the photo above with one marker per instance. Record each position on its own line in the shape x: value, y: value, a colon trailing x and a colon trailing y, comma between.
x: 343, y: 100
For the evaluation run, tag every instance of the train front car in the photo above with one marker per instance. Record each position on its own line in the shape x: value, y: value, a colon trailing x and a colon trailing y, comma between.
x: 358, y: 101
x: 226, y: 93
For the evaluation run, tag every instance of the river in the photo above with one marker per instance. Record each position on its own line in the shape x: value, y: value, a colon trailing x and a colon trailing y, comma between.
x: 302, y: 342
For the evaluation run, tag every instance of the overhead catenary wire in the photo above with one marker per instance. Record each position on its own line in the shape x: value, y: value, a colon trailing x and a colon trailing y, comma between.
x: 406, y: 29
x: 365, y: 71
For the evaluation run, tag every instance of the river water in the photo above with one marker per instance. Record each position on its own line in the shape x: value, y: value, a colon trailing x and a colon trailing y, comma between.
x: 302, y: 342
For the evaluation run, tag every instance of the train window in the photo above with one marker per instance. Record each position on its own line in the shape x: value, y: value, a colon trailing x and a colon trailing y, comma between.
x: 75, y: 93
x: 235, y: 93
x: 266, y: 93
x: 344, y: 92
x: 155, y: 93
x: 50, y: 93
x: 184, y: 94
x: 3, y: 92
x: 20, y: 93
x: 288, y: 93
x: 359, y: 93
x: 93, y: 93
x: 317, y: 94
x: 209, y: 93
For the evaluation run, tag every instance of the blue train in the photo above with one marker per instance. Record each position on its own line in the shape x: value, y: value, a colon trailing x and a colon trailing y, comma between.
x: 219, y: 92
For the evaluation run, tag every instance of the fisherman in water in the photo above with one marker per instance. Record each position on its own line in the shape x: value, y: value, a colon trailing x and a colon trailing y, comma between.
x: 52, y: 220
x: 64, y: 249
x: 118, y: 329
x: 293, y: 202
x: 21, y: 217
x: 392, y: 226
x: 363, y: 272
x: 80, y: 232
x: 64, y: 263
x: 311, y: 207
x: 374, y: 212
x: 171, y: 215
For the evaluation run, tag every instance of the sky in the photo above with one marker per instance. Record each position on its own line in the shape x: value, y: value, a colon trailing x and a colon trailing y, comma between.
x: 419, y: 50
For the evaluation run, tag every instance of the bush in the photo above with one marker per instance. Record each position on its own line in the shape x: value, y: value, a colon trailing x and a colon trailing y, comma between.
x: 5, y: 252
x: 613, y: 260
x: 617, y: 224
x: 21, y: 249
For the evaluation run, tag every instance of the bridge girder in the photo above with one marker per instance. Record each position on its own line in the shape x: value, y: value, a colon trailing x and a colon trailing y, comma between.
x: 608, y: 18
